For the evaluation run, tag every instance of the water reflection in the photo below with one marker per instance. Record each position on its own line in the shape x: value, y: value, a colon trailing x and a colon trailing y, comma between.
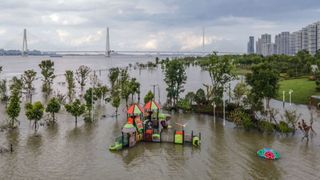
x: 34, y: 143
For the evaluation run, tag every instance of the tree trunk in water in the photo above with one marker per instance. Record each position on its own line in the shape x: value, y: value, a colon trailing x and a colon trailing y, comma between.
x: 53, y: 117
x: 76, y: 120
x: 35, y: 126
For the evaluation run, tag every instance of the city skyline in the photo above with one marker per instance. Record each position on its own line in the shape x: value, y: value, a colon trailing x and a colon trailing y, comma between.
x: 148, y: 25
x: 288, y: 43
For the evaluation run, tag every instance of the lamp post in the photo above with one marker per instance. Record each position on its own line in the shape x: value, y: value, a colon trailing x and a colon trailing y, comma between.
x: 154, y: 92
x: 283, y: 98
x: 92, y: 89
x: 224, y: 109
x: 214, y: 112
x: 290, y: 92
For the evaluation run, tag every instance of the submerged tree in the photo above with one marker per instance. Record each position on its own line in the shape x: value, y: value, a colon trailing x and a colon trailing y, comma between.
x: 175, y: 78
x: 3, y: 90
x: 148, y: 97
x: 47, y: 71
x: 71, y: 84
x: 76, y: 109
x: 34, y: 112
x: 28, y: 77
x: 116, y: 102
x: 53, y: 107
x: 90, y: 97
x: 82, y: 75
x: 134, y: 87
x: 16, y: 84
x: 13, y: 108
x: 113, y: 76
x: 220, y: 70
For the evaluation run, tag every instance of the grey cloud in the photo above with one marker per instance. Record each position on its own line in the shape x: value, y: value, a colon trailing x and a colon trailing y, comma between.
x: 142, y: 23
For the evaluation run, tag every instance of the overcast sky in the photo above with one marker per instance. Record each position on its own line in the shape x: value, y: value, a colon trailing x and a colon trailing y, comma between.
x: 149, y: 24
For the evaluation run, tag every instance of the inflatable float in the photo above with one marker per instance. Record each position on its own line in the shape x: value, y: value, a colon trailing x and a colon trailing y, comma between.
x: 268, y: 153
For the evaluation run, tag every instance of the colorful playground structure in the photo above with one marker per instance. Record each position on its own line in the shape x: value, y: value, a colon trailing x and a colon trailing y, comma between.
x: 148, y: 124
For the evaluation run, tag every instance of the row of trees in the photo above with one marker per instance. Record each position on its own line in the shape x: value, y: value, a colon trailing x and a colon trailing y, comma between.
x: 77, y: 103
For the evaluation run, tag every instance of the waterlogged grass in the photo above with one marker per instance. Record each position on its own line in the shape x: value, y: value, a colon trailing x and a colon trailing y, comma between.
x: 302, y: 90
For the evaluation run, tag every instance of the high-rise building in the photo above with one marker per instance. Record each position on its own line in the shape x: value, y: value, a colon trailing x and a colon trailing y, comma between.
x: 282, y: 43
x: 251, y: 45
x: 304, y: 36
x: 308, y: 38
x: 258, y: 46
x: 312, y: 38
x: 264, y: 45
x: 295, y: 42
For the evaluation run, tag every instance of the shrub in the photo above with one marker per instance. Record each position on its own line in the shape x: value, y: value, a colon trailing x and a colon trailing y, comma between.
x: 184, y: 104
x: 200, y: 97
x: 266, y: 126
x: 283, y: 127
x: 241, y: 119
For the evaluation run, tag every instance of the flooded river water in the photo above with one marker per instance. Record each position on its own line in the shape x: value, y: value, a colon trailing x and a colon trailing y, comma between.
x: 64, y: 151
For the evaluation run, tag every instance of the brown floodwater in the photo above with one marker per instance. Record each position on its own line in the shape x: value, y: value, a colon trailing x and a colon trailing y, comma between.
x: 66, y: 151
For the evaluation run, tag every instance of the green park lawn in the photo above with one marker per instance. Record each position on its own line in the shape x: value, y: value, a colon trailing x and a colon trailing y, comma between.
x: 302, y: 90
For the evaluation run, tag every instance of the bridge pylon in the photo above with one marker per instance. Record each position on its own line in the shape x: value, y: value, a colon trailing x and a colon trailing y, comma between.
x: 24, y: 51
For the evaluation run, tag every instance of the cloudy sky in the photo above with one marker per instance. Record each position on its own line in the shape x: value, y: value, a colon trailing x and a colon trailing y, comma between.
x: 149, y: 24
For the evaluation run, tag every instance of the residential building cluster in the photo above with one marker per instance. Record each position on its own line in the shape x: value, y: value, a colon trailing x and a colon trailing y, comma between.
x: 308, y: 38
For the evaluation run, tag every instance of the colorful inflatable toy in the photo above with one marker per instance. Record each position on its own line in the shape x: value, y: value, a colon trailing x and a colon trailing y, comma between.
x: 268, y: 153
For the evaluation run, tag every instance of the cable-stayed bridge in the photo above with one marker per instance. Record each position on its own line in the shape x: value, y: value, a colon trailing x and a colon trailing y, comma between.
x: 108, y: 52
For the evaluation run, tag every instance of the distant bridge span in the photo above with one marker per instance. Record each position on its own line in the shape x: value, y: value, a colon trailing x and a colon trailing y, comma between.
x: 65, y: 52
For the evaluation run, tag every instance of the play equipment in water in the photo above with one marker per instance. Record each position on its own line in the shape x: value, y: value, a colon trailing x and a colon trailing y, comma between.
x: 268, y: 153
x: 150, y: 129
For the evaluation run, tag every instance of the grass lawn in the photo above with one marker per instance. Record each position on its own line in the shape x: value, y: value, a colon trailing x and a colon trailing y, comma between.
x: 241, y: 71
x: 302, y: 90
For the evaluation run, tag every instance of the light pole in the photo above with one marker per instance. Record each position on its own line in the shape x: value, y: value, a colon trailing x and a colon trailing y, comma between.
x: 154, y: 92
x: 92, y: 89
x: 283, y: 98
x: 290, y: 92
x: 224, y: 109
x: 214, y: 112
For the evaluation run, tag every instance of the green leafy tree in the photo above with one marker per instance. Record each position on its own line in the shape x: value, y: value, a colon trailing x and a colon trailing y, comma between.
x: 125, y: 91
x: 134, y: 87
x: 82, y: 75
x: 148, y: 97
x: 47, y: 71
x: 116, y: 102
x: 239, y: 91
x: 90, y: 97
x: 53, y: 107
x: 34, y: 112
x: 190, y: 97
x: 264, y: 81
x: 16, y: 84
x: 220, y: 70
x: 71, y: 84
x: 3, y: 90
x: 200, y: 97
x: 175, y: 78
x: 13, y: 108
x: 28, y: 78
x: 76, y: 109
x: 113, y: 76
